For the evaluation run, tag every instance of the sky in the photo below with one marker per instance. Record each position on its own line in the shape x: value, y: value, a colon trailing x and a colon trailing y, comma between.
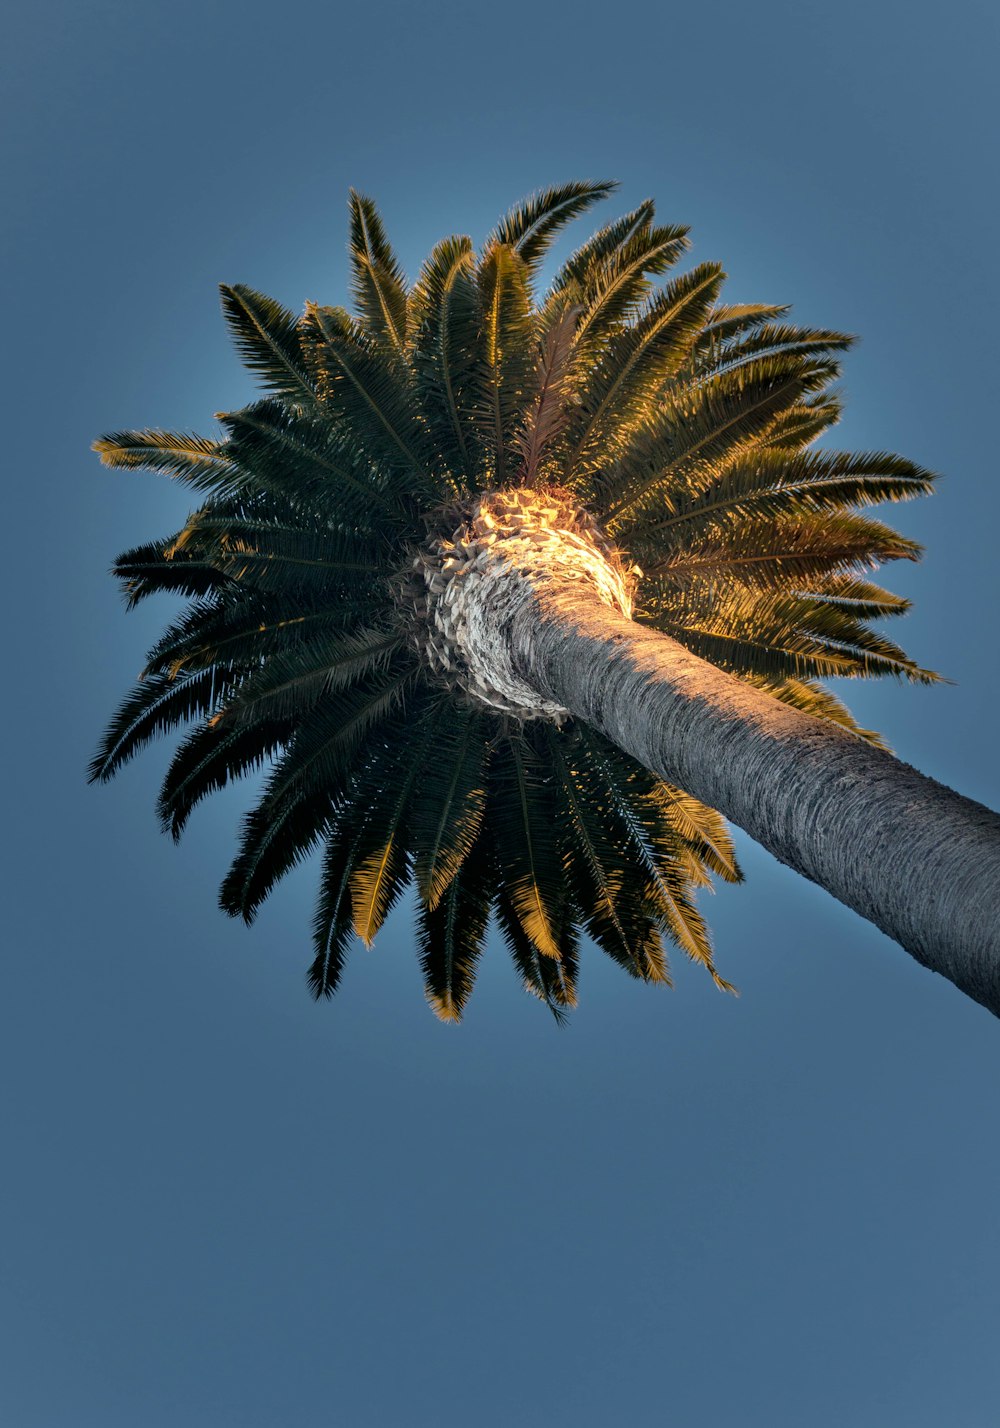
x: 224, y: 1206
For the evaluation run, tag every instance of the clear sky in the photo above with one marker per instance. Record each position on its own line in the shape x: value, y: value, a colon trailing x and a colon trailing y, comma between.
x: 226, y: 1207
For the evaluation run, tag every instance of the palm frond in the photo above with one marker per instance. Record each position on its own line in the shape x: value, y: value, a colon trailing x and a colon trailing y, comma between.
x: 730, y: 320
x: 704, y: 830
x: 764, y: 338
x: 786, y: 337
x: 553, y: 981
x: 242, y: 631
x: 813, y: 698
x: 450, y: 802
x: 149, y: 570
x: 333, y: 922
x: 638, y: 361
x: 778, y: 635
x: 521, y: 814
x: 530, y: 226
x: 611, y: 292
x: 451, y: 936
x: 362, y: 387
x: 269, y: 555
x: 445, y: 325
x: 195, y: 460
x: 652, y: 842
x: 376, y: 278
x: 155, y: 705
x: 289, y: 454
x: 377, y: 879
x: 774, y: 483
x: 804, y: 422
x: 504, y: 371
x: 692, y: 439
x: 591, y: 255
x: 788, y: 550
x: 268, y: 339
x: 548, y: 414
x: 209, y: 759
x: 617, y: 912
x: 302, y: 792
x: 861, y: 598
x: 295, y: 680
x: 382, y: 859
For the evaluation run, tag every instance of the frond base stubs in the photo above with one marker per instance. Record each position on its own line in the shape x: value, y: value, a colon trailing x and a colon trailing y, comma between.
x: 502, y: 548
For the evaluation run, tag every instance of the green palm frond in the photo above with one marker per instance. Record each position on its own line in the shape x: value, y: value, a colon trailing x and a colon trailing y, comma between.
x: 765, y: 338
x: 223, y: 630
x: 333, y: 923
x: 704, y: 831
x: 195, y: 460
x: 769, y: 552
x: 779, y: 635
x: 268, y: 338
x: 377, y: 879
x: 802, y: 423
x: 505, y: 368
x: 155, y: 705
x: 449, y: 804
x: 774, y: 483
x: 637, y: 362
x: 298, y: 678
x: 612, y: 290
x: 861, y: 598
x: 286, y: 453
x: 692, y: 438
x: 530, y: 227
x: 451, y: 936
x: 730, y: 320
x: 552, y: 980
x: 382, y: 858
x: 600, y: 246
x: 619, y: 915
x: 652, y: 843
x: 377, y: 280
x: 685, y: 430
x: 813, y: 698
x: 149, y: 570
x: 445, y: 325
x: 209, y: 759
x: 362, y: 390
x: 522, y: 824
x: 303, y: 789
x: 264, y: 556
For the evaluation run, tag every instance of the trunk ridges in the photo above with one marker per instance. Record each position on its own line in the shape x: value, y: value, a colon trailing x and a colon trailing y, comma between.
x: 917, y: 859
x: 502, y: 546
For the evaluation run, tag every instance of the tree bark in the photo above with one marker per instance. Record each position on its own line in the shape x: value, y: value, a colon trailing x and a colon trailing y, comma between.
x: 917, y: 859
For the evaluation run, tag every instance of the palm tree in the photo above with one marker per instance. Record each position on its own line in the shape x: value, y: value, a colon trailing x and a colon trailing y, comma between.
x: 511, y: 593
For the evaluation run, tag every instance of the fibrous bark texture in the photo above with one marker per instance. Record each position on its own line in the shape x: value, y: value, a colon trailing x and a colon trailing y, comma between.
x: 461, y: 588
x: 912, y: 856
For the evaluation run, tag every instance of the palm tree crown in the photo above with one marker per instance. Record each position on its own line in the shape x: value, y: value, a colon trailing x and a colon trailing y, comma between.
x: 665, y: 436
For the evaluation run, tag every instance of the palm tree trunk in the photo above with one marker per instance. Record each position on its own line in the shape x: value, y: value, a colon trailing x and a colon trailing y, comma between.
x: 917, y: 859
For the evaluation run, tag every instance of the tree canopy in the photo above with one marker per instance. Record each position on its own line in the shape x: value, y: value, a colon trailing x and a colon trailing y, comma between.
x: 682, y: 425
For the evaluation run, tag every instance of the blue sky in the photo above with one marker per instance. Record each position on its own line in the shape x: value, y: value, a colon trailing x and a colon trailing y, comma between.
x: 224, y: 1205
